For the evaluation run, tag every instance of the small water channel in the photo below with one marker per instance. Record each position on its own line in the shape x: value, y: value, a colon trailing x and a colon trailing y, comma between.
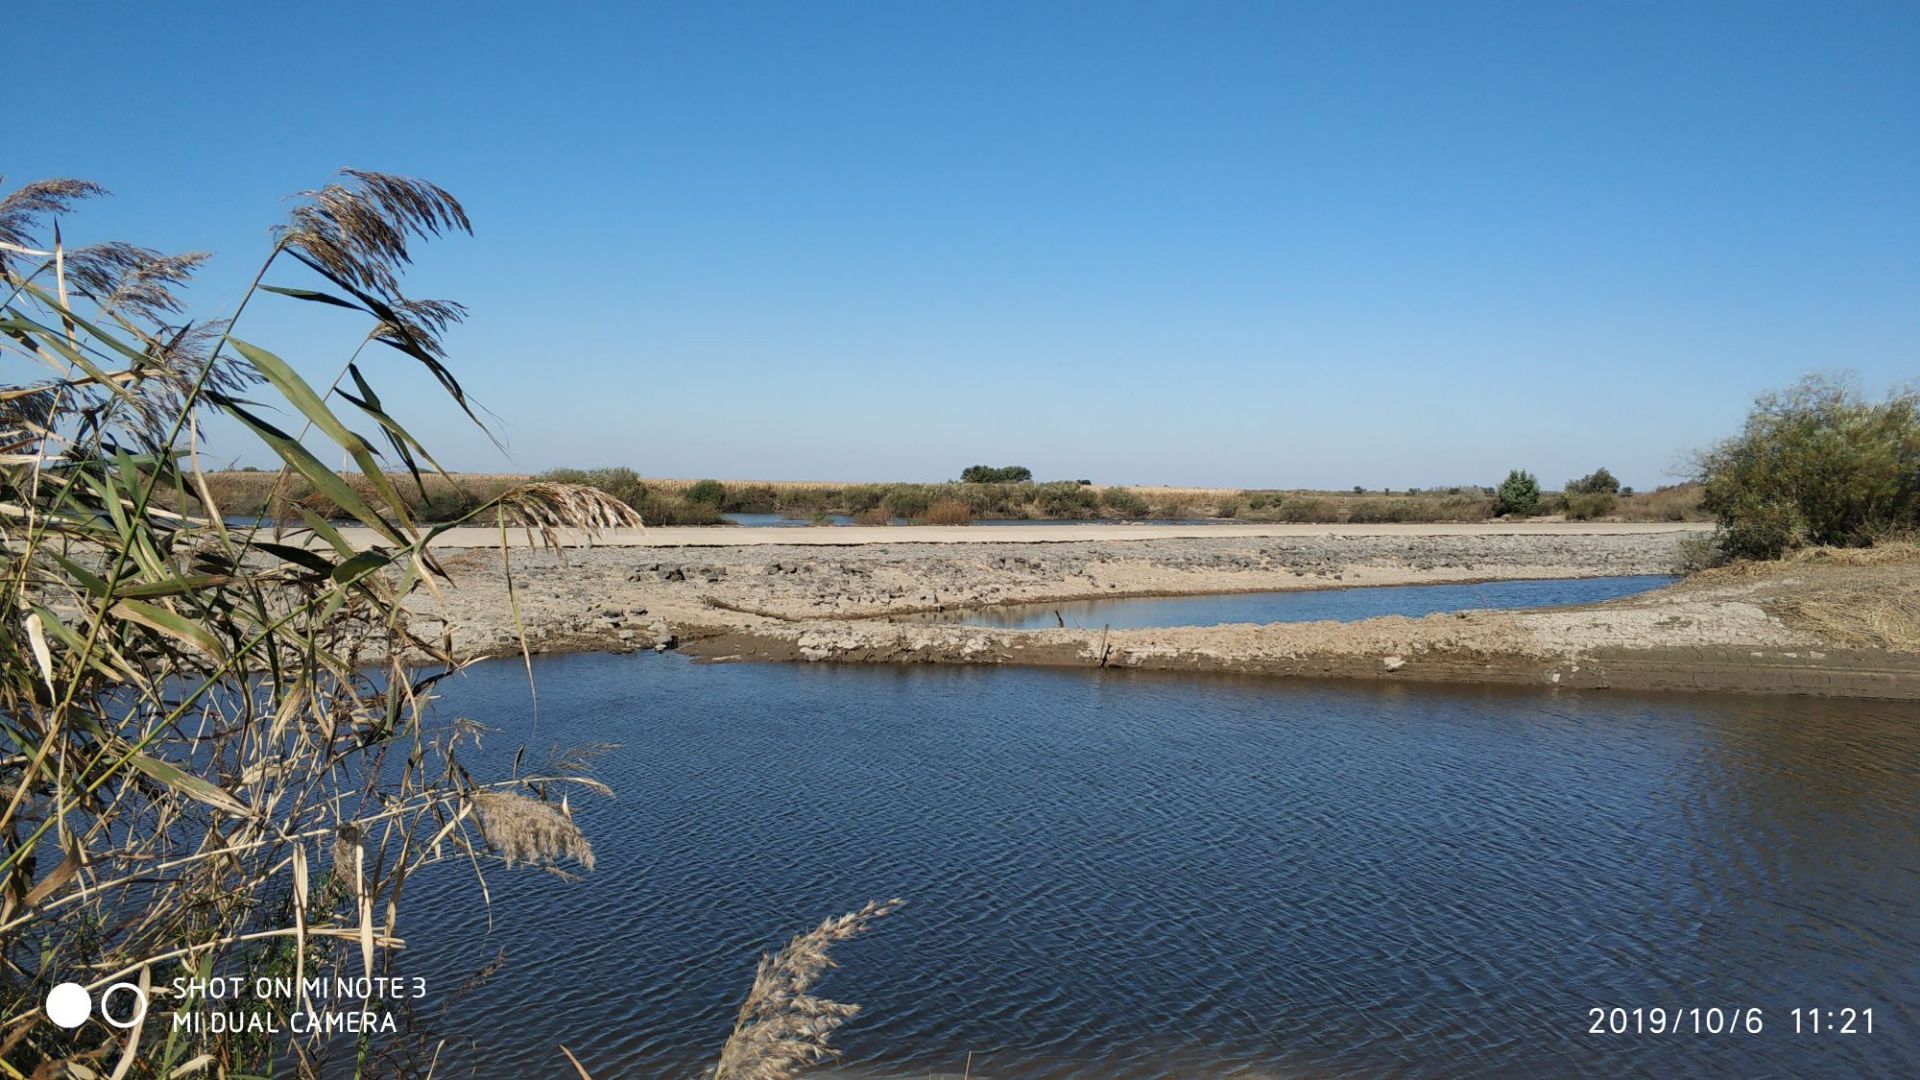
x: 1301, y: 605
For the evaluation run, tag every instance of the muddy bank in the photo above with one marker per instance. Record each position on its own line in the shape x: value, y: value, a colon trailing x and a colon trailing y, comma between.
x: 1410, y: 653
x: 803, y: 603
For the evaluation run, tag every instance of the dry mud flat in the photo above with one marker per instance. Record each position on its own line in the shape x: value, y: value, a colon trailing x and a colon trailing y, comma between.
x: 813, y: 601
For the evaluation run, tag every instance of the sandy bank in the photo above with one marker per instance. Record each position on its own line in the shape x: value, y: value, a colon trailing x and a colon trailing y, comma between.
x: 1794, y: 628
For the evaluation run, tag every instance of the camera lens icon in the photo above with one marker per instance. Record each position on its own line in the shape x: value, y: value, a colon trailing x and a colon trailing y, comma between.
x: 69, y: 1005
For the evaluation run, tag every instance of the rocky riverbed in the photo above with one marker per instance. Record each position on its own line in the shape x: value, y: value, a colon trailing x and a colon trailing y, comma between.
x: 812, y: 602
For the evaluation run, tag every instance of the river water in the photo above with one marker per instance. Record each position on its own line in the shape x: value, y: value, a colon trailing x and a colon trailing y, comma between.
x: 1300, y: 605
x: 1128, y: 874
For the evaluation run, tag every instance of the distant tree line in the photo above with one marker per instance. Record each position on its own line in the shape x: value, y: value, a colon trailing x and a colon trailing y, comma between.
x: 988, y: 474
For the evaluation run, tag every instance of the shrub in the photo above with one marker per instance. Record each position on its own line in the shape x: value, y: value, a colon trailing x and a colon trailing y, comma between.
x: 988, y: 474
x: 620, y: 482
x: 1675, y: 502
x: 1124, y: 501
x: 1307, y: 510
x: 1519, y: 495
x: 908, y: 501
x: 873, y: 515
x: 711, y: 492
x: 1697, y: 553
x: 1066, y: 499
x: 949, y: 512
x: 1587, y: 505
x: 1373, y: 511
x: 1173, y: 508
x: 807, y: 497
x: 751, y: 499
x: 1597, y: 482
x: 993, y: 500
x: 860, y: 498
x: 1816, y: 464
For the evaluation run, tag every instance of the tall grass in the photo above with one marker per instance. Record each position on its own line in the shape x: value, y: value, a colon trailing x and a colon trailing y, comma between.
x: 217, y: 754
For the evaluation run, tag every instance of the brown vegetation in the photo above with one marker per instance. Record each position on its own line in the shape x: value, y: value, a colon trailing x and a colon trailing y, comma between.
x: 949, y: 512
x: 1858, y: 597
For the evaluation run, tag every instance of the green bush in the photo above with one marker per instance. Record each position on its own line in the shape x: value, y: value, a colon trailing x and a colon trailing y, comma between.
x: 1066, y: 499
x: 751, y: 499
x: 710, y: 492
x: 1816, y: 464
x: 1307, y: 510
x: 1587, y: 505
x: 1124, y: 502
x: 620, y: 482
x: 908, y: 500
x: 1519, y: 495
x: 988, y: 474
x: 860, y: 498
x: 993, y: 500
x: 1597, y: 482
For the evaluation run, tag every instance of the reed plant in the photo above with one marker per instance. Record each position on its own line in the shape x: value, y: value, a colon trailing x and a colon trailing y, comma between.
x: 949, y: 512
x: 217, y: 754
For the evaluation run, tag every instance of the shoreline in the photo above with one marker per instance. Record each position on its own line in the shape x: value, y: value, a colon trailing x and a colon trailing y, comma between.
x: 770, y: 600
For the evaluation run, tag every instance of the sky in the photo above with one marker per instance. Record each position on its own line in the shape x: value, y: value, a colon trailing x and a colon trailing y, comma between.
x: 1253, y: 245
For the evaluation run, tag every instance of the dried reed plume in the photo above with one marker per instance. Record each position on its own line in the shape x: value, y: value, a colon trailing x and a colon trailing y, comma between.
x: 544, y: 507
x: 528, y: 830
x: 130, y: 279
x: 782, y: 1028
x: 21, y: 211
x: 357, y: 231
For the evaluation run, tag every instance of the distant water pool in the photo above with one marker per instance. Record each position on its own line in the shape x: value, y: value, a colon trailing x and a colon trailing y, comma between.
x: 1301, y: 605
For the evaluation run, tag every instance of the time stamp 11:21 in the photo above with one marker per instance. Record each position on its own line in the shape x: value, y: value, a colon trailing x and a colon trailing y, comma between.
x: 1718, y: 1021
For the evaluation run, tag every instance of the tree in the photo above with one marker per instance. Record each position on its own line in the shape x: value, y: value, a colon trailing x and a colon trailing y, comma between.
x: 995, y: 475
x: 1597, y: 482
x: 1519, y: 494
x: 988, y: 474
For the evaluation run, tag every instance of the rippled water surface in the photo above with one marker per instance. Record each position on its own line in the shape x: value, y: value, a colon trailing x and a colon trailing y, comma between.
x: 1301, y: 605
x: 1121, y: 874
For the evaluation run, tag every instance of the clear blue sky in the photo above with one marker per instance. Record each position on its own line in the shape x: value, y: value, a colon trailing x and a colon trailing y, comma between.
x: 1262, y: 244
